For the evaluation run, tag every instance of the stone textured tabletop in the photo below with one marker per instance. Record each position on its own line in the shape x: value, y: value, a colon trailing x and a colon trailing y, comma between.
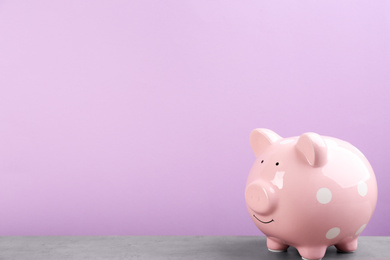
x: 171, y: 247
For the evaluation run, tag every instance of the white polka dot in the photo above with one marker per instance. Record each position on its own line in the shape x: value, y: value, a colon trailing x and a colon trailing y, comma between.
x: 324, y: 195
x: 332, y: 233
x: 360, y: 230
x: 362, y: 188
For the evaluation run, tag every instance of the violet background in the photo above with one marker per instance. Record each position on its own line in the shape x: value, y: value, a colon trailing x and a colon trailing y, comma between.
x: 133, y: 117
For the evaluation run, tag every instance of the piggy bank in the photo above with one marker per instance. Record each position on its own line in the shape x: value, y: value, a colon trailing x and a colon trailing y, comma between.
x: 309, y: 192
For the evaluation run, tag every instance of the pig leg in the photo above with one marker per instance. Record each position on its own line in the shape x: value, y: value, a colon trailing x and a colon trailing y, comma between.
x: 312, y: 253
x: 276, y: 245
x: 347, y: 245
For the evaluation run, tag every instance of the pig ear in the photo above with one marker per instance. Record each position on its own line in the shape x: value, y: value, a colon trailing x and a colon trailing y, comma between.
x: 262, y: 138
x: 313, y: 148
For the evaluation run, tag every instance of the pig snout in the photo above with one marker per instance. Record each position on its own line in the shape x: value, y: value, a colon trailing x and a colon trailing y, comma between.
x: 260, y: 197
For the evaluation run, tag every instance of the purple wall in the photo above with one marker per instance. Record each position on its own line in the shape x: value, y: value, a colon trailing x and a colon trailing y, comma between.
x: 133, y: 117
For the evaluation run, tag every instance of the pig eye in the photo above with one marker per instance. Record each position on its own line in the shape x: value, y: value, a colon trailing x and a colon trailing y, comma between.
x: 277, y: 163
x: 262, y: 161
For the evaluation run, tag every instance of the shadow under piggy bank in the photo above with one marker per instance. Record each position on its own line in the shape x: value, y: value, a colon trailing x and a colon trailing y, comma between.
x: 251, y: 248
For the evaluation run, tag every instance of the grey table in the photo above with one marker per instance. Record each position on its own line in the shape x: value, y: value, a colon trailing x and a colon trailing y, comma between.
x: 170, y: 247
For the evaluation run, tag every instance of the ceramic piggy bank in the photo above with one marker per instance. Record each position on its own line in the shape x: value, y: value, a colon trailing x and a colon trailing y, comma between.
x: 309, y: 192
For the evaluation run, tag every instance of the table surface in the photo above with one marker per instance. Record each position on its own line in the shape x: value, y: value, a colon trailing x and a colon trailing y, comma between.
x: 170, y: 247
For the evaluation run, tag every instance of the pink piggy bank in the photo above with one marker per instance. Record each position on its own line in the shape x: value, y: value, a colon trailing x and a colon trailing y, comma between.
x: 309, y: 192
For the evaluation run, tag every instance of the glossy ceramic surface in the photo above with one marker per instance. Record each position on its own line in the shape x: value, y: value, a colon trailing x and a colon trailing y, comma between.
x: 309, y: 192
